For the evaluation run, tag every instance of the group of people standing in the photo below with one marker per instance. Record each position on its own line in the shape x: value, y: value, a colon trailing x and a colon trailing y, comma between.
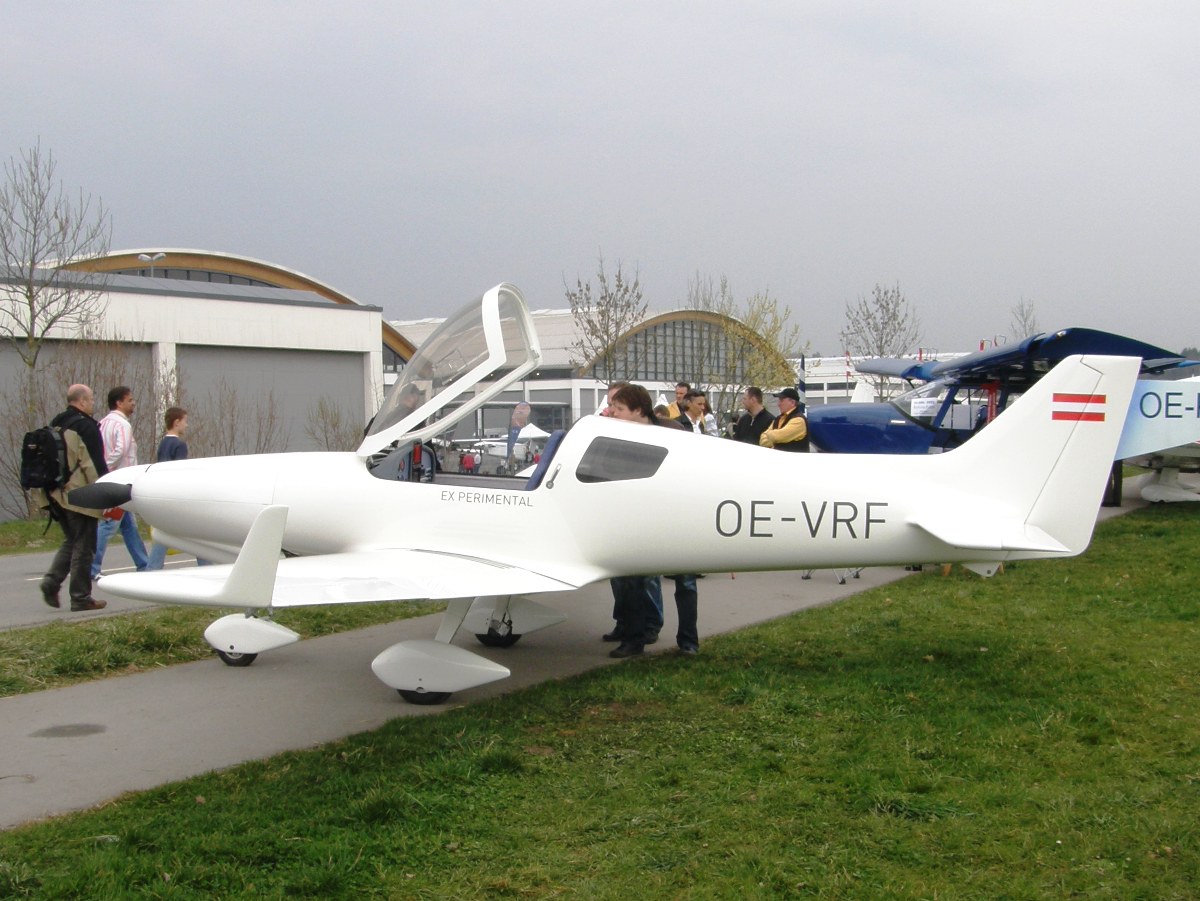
x: 637, y: 600
x: 94, y: 449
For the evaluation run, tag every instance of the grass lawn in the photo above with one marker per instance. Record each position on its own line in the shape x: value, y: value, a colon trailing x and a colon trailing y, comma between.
x: 61, y: 654
x: 1029, y: 736
x: 29, y: 536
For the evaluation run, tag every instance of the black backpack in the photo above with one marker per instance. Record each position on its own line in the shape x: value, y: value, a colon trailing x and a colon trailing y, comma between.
x: 44, y: 459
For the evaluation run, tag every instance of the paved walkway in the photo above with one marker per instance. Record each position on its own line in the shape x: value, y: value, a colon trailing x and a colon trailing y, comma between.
x: 71, y: 748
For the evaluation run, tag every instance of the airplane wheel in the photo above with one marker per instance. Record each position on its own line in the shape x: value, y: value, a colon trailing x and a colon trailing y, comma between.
x: 493, y: 639
x: 229, y: 658
x: 423, y: 698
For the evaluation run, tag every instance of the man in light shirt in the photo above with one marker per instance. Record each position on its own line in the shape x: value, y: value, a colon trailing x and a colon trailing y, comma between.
x: 120, y: 450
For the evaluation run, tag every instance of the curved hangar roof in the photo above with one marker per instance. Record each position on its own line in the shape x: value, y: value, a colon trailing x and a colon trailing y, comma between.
x: 656, y: 349
x: 228, y: 268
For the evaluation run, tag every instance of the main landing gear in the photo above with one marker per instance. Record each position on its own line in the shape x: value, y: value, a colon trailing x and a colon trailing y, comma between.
x: 422, y: 671
x: 240, y: 637
x: 428, y: 672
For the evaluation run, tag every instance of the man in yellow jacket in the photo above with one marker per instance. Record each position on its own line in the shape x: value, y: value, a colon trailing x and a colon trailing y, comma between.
x: 789, y: 430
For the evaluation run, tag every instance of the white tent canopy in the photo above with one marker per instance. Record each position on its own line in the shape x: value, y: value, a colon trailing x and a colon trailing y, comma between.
x: 531, y: 431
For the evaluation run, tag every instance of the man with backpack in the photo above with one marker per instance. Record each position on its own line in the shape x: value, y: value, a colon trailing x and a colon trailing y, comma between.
x: 85, y: 464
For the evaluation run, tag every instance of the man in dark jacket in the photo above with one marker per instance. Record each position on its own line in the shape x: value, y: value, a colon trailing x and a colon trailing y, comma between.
x: 755, y: 420
x: 85, y: 462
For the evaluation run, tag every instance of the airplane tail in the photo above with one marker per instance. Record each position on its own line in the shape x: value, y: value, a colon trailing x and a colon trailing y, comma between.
x: 1048, y: 457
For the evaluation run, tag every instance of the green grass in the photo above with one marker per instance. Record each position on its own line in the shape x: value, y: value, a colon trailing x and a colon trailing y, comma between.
x: 61, y: 654
x: 66, y: 653
x: 28, y: 536
x: 1029, y: 736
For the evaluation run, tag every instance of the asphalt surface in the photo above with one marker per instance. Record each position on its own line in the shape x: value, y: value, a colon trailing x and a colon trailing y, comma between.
x: 72, y: 748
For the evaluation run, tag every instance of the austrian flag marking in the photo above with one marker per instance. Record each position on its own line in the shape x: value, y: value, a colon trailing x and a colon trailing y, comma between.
x: 1078, y: 407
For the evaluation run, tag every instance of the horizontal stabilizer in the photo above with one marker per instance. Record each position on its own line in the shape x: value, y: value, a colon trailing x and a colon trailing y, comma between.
x: 980, y: 534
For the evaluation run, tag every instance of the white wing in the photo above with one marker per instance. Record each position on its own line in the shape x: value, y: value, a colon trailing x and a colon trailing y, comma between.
x: 260, y: 578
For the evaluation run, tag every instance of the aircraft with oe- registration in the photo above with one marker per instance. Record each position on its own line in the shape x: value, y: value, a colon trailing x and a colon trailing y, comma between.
x: 608, y: 498
x: 953, y: 399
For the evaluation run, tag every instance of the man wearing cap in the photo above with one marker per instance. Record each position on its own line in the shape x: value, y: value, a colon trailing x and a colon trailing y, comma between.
x: 789, y: 430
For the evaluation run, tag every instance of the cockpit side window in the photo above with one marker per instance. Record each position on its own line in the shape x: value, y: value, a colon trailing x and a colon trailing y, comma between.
x: 614, y: 460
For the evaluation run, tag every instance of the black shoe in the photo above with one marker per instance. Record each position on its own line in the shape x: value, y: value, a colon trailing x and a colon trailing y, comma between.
x: 689, y: 650
x: 49, y: 595
x: 650, y: 638
x: 627, y: 649
x: 89, y: 604
x: 614, y: 635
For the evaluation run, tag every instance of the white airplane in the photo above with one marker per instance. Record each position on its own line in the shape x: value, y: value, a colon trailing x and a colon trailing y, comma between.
x: 1160, y: 434
x: 608, y: 498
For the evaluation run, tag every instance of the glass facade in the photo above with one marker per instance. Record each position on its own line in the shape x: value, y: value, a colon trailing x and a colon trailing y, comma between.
x: 678, y: 349
x: 195, y: 275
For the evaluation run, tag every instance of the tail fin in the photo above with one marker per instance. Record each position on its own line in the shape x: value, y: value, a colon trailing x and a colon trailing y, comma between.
x: 1049, y: 455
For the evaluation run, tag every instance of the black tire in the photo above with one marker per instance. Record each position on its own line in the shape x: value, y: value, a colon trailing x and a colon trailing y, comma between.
x: 493, y: 639
x: 423, y: 698
x: 232, y: 658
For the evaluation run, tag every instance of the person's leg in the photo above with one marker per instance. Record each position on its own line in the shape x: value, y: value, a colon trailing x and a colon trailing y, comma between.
x: 83, y: 550
x: 620, y: 610
x: 133, y: 541
x: 157, y: 555
x: 634, y: 625
x: 104, y: 531
x: 60, y: 566
x: 654, y: 613
x: 686, y: 597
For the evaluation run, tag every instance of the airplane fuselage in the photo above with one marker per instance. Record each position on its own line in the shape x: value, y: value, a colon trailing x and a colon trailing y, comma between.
x: 616, y: 499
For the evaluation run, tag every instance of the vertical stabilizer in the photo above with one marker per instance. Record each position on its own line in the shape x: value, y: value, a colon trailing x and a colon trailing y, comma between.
x: 1048, y: 456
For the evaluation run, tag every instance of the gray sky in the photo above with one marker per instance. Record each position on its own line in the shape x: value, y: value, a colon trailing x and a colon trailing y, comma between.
x: 413, y: 155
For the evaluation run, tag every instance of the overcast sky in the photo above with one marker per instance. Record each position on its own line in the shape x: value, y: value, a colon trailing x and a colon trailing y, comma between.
x: 413, y: 155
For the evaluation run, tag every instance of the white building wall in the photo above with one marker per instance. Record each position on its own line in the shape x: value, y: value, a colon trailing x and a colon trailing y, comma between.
x: 307, y: 342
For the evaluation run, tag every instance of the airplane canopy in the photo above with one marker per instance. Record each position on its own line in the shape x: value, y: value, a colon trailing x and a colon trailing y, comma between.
x: 490, y: 341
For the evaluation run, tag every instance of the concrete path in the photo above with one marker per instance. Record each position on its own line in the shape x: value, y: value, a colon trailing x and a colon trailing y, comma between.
x: 72, y: 748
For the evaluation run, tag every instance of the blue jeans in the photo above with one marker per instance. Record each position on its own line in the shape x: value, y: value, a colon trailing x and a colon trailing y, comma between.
x: 158, y: 555
x: 133, y: 541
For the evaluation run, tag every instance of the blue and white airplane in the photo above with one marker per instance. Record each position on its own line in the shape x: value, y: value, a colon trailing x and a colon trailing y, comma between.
x: 380, y: 524
x: 958, y: 397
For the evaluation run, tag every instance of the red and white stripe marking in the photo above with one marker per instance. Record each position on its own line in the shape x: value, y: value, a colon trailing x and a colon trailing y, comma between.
x: 1078, y: 407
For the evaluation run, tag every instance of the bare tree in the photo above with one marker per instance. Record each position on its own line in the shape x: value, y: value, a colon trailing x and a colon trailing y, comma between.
x: 42, y: 230
x: 880, y: 326
x: 603, y: 319
x: 1024, y: 321
x: 330, y: 428
x: 223, y: 423
x: 102, y: 364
